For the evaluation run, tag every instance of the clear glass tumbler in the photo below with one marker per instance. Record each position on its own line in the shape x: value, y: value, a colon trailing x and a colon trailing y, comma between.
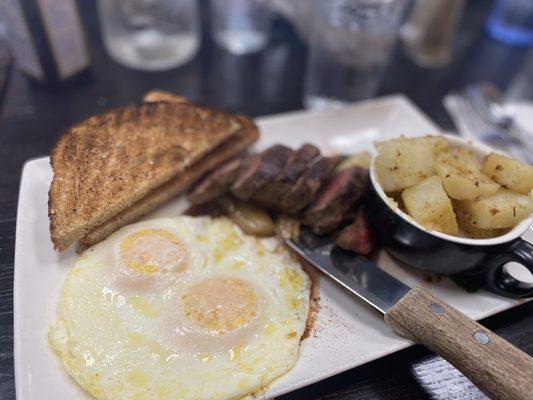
x: 150, y: 34
x: 349, y: 49
x: 240, y: 26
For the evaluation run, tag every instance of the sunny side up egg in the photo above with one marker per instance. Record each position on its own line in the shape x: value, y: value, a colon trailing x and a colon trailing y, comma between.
x: 180, y: 308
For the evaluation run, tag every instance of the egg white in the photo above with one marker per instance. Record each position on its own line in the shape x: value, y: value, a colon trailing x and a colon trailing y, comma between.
x: 122, y: 342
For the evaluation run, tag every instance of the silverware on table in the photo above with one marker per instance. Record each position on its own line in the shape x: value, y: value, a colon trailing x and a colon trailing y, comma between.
x: 497, y: 367
x: 478, y: 113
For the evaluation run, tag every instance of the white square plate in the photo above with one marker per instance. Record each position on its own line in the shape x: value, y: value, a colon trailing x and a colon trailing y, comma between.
x: 347, y: 332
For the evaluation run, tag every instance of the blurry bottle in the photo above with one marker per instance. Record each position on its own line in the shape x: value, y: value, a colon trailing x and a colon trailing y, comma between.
x: 511, y: 22
x: 430, y: 29
x: 150, y: 34
x: 46, y: 38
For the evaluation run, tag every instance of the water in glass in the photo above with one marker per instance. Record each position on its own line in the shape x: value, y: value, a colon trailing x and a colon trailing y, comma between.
x: 150, y: 34
x: 349, y: 48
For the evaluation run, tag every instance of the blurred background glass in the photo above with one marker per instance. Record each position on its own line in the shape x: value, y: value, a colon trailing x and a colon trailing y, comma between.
x: 270, y: 56
x: 240, y: 26
x: 511, y: 22
x: 349, y: 48
x: 429, y: 31
x: 150, y: 34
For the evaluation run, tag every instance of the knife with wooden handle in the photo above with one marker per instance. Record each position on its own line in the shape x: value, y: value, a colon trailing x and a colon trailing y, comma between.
x: 494, y: 365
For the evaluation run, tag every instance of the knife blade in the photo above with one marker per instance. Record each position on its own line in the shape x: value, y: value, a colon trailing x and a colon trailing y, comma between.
x: 355, y: 272
x: 497, y: 367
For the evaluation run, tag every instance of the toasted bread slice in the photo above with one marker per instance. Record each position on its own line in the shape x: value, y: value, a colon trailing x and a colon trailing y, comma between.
x: 175, y: 186
x: 110, y: 161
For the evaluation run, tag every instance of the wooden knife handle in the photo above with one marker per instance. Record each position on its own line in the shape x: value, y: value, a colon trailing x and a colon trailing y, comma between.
x: 494, y: 365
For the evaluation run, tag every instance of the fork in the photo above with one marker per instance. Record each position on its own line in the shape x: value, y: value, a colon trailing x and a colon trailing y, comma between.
x: 487, y: 100
x: 471, y: 123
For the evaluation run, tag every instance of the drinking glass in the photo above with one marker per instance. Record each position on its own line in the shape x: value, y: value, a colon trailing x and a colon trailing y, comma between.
x: 150, y: 34
x: 430, y: 30
x: 240, y: 26
x: 349, y: 49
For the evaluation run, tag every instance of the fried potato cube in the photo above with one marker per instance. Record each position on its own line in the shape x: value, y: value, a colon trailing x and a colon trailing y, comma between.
x: 404, y: 162
x: 437, y: 143
x: 461, y: 177
x: 478, y: 233
x: 430, y: 206
x: 472, y: 231
x: 510, y: 173
x: 503, y: 209
x: 467, y: 155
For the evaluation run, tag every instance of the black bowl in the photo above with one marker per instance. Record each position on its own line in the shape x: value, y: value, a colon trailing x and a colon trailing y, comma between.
x: 478, y: 260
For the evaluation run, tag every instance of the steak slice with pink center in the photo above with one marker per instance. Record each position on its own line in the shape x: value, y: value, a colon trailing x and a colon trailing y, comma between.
x: 335, y: 199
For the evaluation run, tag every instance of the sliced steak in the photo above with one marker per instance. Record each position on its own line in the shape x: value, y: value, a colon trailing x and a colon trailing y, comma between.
x: 335, y: 199
x: 357, y: 236
x: 307, y: 185
x: 269, y: 196
x: 216, y: 183
x: 303, y: 156
x: 259, y: 170
x: 249, y: 167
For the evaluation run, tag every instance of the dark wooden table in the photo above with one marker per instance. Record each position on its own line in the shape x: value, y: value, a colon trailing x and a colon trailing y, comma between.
x: 33, y: 117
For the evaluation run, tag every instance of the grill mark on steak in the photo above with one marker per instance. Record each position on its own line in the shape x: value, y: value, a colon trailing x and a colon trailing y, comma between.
x: 335, y: 199
x: 259, y: 172
x: 216, y: 183
x: 269, y: 196
x: 306, y: 187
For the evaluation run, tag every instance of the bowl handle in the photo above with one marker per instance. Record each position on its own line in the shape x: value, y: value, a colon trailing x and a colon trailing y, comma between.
x: 500, y: 281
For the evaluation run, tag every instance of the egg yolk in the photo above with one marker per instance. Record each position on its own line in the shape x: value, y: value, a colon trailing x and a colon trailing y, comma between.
x: 150, y: 251
x: 221, y: 305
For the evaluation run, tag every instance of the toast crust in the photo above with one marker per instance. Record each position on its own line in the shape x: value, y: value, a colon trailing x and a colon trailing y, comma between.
x: 110, y: 161
x: 174, y: 187
x: 160, y: 95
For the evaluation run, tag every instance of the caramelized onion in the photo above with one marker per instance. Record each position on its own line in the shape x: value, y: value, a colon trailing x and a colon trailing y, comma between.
x: 251, y: 218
